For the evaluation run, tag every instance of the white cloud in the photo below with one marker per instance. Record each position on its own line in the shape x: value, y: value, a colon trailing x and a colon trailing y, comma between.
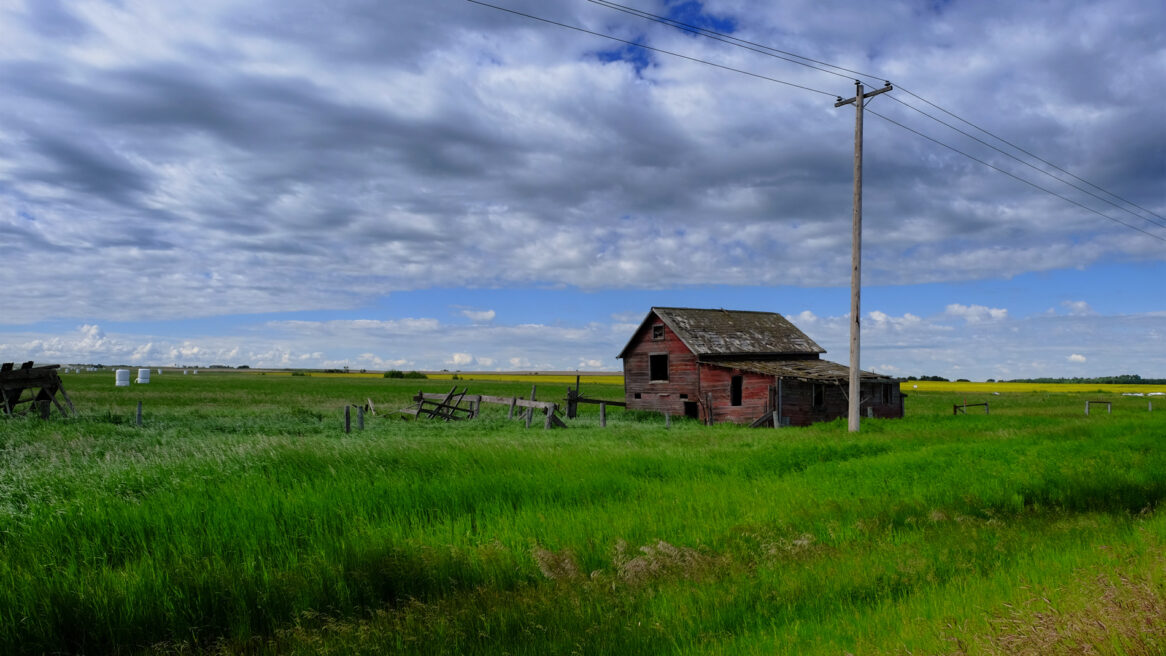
x: 976, y: 313
x: 480, y: 316
x: 1077, y: 308
x: 903, y: 345
x: 460, y: 359
x: 309, y: 168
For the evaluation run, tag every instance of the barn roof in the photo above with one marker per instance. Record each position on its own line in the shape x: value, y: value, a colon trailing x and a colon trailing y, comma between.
x: 813, y: 370
x: 720, y: 332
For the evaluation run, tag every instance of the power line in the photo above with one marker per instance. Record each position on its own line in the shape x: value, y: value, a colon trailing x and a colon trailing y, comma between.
x: 1037, y: 157
x: 1029, y: 165
x: 652, y: 48
x: 715, y: 36
x: 1016, y: 177
x: 768, y: 51
x: 730, y: 40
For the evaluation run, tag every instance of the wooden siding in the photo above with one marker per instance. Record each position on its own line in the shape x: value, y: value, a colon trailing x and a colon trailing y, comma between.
x: 691, y: 381
x: 659, y: 396
x: 797, y: 398
x: 716, y: 381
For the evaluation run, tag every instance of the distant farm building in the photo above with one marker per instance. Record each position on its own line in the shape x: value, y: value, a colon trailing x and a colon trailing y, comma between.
x: 742, y: 367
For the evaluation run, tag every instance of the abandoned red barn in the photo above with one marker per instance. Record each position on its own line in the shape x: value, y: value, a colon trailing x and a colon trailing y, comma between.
x: 743, y: 367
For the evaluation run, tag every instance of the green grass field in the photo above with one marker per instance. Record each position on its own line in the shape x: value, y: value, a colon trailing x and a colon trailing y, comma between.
x: 241, y: 519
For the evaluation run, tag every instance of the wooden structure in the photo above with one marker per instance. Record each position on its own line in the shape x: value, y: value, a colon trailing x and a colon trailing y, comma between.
x: 34, y: 387
x: 449, y: 407
x: 1108, y: 406
x: 963, y: 408
x: 575, y: 397
x: 756, y: 368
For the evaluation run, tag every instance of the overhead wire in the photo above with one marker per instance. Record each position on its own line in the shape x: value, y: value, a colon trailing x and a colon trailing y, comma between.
x: 818, y: 64
x: 652, y: 48
x: 768, y: 51
x: 1015, y: 177
x: 716, y: 36
x: 1034, y: 156
x: 1029, y: 164
x: 728, y: 38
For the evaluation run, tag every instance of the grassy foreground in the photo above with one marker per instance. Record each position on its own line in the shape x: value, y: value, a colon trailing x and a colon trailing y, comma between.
x: 241, y: 519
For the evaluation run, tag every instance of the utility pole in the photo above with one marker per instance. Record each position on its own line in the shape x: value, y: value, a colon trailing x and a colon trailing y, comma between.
x: 856, y: 247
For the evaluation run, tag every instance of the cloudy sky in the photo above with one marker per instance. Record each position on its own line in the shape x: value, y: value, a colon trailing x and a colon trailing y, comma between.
x: 441, y: 184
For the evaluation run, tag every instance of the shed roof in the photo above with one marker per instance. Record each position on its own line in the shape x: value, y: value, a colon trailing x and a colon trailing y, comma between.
x: 813, y: 370
x: 720, y: 332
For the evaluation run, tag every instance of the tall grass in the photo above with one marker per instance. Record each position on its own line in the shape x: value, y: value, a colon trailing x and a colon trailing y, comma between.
x: 240, y: 518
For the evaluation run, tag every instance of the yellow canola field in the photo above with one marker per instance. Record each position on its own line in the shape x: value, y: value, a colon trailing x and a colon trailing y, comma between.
x: 608, y: 379
x: 907, y: 387
x: 1064, y: 388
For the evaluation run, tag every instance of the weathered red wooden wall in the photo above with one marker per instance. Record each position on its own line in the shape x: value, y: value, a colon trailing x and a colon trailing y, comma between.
x: 682, y: 384
x: 716, y: 381
x: 690, y: 381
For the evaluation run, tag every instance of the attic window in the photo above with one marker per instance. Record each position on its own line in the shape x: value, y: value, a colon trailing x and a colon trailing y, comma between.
x: 658, y: 367
x: 658, y: 331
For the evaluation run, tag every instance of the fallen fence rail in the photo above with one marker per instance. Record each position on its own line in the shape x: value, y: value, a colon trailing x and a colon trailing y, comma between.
x: 439, y: 406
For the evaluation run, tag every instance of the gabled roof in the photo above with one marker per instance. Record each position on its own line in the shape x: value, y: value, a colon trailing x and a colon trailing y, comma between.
x: 732, y: 332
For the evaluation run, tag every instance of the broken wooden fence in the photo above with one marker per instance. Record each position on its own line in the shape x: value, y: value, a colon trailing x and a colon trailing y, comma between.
x: 449, y: 406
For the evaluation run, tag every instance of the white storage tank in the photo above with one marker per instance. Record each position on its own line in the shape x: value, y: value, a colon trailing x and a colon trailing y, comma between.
x: 143, y: 376
x: 122, y: 377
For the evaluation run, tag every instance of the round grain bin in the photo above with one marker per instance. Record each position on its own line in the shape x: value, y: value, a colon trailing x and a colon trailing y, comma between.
x: 122, y: 377
x: 143, y: 376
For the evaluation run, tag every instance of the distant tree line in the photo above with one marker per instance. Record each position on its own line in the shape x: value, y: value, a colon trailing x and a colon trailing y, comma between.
x: 393, y: 373
x: 932, y: 379
x: 1125, y: 379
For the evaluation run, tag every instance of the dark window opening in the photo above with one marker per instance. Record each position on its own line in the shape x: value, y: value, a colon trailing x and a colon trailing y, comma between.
x: 819, y: 395
x: 636, y: 395
x: 735, y: 384
x: 691, y: 410
x: 887, y: 394
x: 658, y: 367
x: 658, y: 331
x: 684, y: 396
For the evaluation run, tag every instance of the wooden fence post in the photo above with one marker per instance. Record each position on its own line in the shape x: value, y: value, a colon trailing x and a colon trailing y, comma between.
x: 572, y: 403
x: 529, y: 416
x: 667, y: 420
x: 347, y: 419
x: 360, y: 417
x: 513, y: 402
x: 547, y: 423
x: 603, y: 415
